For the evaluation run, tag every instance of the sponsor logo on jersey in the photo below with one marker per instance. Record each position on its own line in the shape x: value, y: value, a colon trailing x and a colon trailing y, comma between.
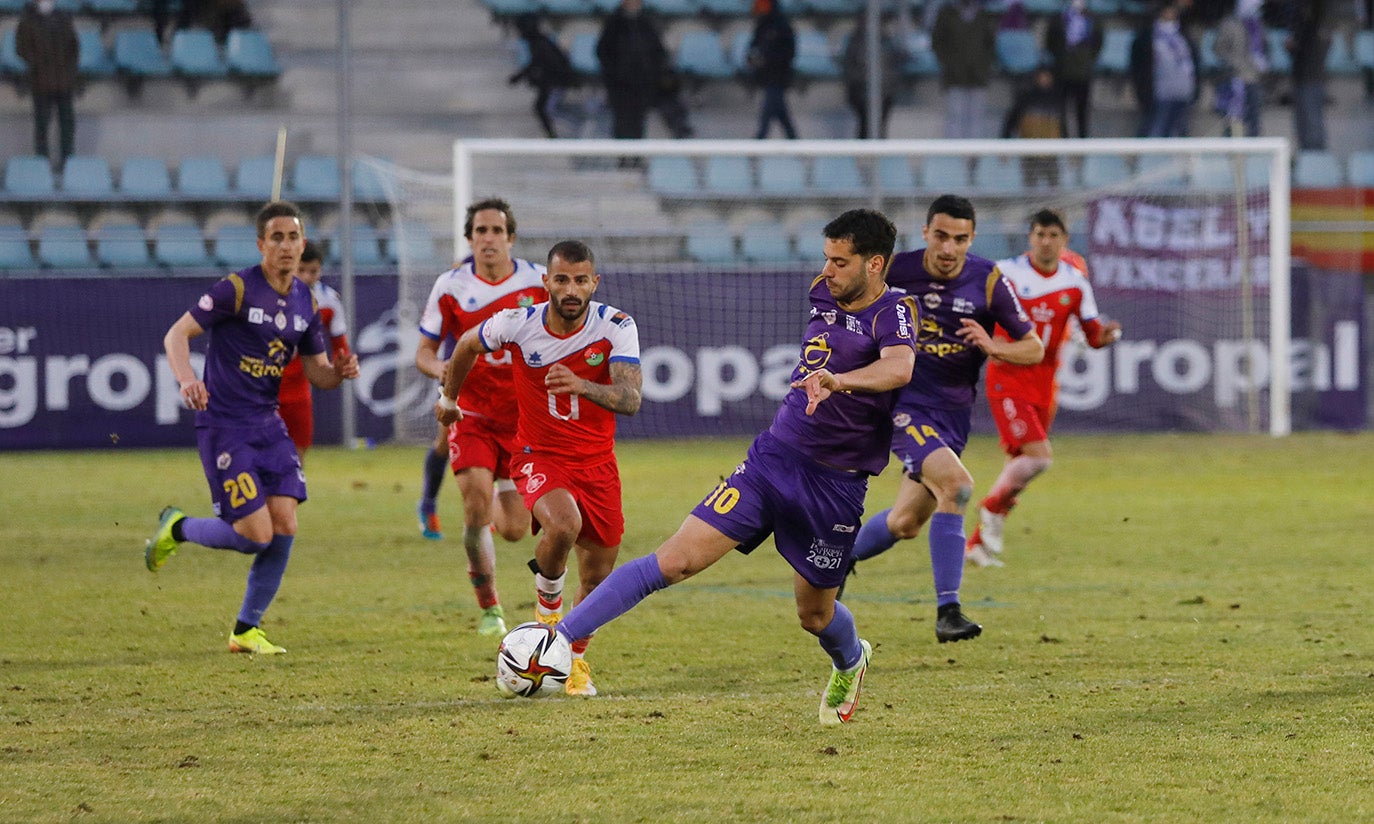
x: 535, y: 482
x: 300, y: 323
x: 931, y: 300
x: 525, y: 301
x: 280, y: 320
x: 901, y: 420
x: 816, y: 352
x: 1063, y: 300
x: 828, y: 317
x: 842, y: 528
x: 535, y: 359
x: 964, y: 306
x: 222, y: 462
x: 593, y: 357
x: 254, y: 315
x: 206, y: 303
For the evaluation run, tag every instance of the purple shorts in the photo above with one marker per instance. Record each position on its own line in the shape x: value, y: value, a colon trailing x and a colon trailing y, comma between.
x: 919, y: 431
x: 245, y: 465
x: 812, y: 511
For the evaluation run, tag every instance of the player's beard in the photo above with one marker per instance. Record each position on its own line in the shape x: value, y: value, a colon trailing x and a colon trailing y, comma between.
x: 571, y: 314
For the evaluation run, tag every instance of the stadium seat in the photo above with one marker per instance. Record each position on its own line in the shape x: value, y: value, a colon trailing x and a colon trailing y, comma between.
x: 195, y: 55
x: 87, y: 177
x: 836, y: 175
x: 122, y: 245
x: 834, y: 8
x: 236, y: 245
x: 93, y: 60
x: 998, y: 175
x: 1215, y: 173
x: 711, y: 242
x: 582, y: 54
x: 1280, y: 61
x: 1160, y: 170
x: 1340, y: 60
x: 565, y: 8
x: 944, y: 173
x: 1361, y: 169
x: 145, y: 178
x: 247, y: 53
x: 781, y: 174
x: 138, y: 54
x: 728, y: 176
x: 1017, y: 51
x: 672, y: 175
x: 254, y: 178
x: 367, y: 248
x: 765, y: 241
x: 1364, y: 49
x: 178, y: 244
x: 1043, y: 6
x: 414, y: 243
x: 202, y: 178
x: 1317, y: 170
x: 29, y: 177
x: 12, y: 6
x: 671, y: 8
x: 1115, y: 57
x: 808, y: 238
x: 1104, y: 170
x: 511, y: 8
x: 315, y: 177
x: 920, y: 59
x: 815, y: 60
x: 724, y: 8
x: 739, y: 51
x: 1207, y: 52
x: 894, y: 175
x: 10, y: 61
x: 64, y: 247
x: 112, y: 7
x: 700, y: 54
x: 14, y: 249
x: 369, y: 185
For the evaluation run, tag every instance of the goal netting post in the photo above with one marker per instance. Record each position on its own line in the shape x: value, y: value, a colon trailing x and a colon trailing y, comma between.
x: 710, y: 245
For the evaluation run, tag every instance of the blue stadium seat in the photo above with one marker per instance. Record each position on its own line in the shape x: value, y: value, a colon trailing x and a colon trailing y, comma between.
x: 14, y: 249
x: 836, y: 175
x: 202, y: 178
x: 510, y: 8
x: 944, y: 173
x: 1160, y: 170
x: 1215, y: 173
x: 920, y: 57
x: 711, y: 242
x: 1361, y: 169
x: 725, y: 8
x: 1115, y: 57
x: 728, y: 176
x: 582, y: 54
x: 64, y: 247
x: 178, y: 244
x: 739, y: 51
x: 1340, y: 59
x: 566, y: 8
x: 112, y: 7
x: 87, y: 177
x: 894, y: 175
x: 1280, y: 61
x: 248, y: 53
x: 367, y: 248
x: 236, y: 246
x: 138, y: 54
x: 122, y: 245
x: 998, y: 175
x: 12, y: 6
x: 1017, y: 51
x: 765, y: 241
x: 1207, y: 52
x: 29, y: 177
x: 93, y: 60
x: 415, y: 243
x: 1364, y: 48
x: 808, y: 238
x: 145, y: 178
x: 815, y: 59
x: 1317, y: 170
x: 315, y: 177
x: 1104, y: 170
x: 195, y: 55
x: 672, y: 175
x: 1043, y: 6
x: 841, y: 8
x: 700, y: 54
x: 254, y: 178
x: 672, y: 8
x: 10, y: 61
x: 368, y: 183
x: 781, y: 174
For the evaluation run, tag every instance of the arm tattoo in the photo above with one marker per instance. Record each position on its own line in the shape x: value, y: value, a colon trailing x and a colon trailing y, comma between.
x: 622, y: 394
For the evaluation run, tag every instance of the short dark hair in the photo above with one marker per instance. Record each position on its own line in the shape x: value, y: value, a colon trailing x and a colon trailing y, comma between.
x: 959, y: 208
x: 489, y: 203
x: 572, y: 251
x: 311, y: 253
x: 277, y: 208
x: 870, y: 231
x: 1048, y: 217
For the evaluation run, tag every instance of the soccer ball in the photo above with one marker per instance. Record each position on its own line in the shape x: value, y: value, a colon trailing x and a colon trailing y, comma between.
x: 533, y: 660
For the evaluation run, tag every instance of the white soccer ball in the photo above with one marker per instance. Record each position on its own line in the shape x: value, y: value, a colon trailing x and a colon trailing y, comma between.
x: 533, y: 660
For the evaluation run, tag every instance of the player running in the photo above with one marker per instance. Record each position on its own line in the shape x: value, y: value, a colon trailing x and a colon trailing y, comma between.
x: 294, y: 403
x: 1022, y: 398
x: 576, y: 366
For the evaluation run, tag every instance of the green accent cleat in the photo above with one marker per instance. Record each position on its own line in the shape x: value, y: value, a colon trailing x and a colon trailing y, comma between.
x: 162, y: 545
x: 841, y: 696
x: 253, y: 641
x: 493, y: 621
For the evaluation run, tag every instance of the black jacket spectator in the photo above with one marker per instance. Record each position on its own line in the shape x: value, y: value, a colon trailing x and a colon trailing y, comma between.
x: 46, y: 40
x: 549, y: 70
x: 634, y: 67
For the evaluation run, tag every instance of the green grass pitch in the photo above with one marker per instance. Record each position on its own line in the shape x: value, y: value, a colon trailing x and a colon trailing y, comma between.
x: 1182, y: 633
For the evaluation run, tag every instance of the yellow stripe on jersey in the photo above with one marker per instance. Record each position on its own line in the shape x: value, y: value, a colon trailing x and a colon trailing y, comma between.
x: 238, y: 291
x: 993, y: 276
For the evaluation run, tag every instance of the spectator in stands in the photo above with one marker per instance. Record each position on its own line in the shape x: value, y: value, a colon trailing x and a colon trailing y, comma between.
x: 638, y: 75
x: 1164, y: 73
x: 549, y: 71
x: 1308, y: 42
x: 46, y: 39
x: 1037, y: 111
x: 891, y: 55
x: 964, y: 39
x: 223, y: 16
x: 1074, y: 40
x: 771, y: 51
x: 187, y: 16
x: 1240, y: 49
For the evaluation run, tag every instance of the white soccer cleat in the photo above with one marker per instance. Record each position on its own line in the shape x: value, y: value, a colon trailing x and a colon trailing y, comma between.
x: 990, y: 529
x: 978, y: 555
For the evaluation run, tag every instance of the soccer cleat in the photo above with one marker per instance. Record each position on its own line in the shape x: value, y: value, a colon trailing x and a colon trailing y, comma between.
x: 580, y: 679
x: 953, y: 625
x: 252, y: 640
x: 493, y: 621
x: 841, y: 695
x: 548, y: 619
x: 990, y: 529
x: 429, y: 522
x: 162, y: 545
x: 977, y: 554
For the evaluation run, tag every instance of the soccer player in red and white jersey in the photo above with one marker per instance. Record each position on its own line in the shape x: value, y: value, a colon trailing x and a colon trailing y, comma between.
x: 293, y: 400
x: 1052, y: 290
x: 480, y: 446
x: 576, y: 365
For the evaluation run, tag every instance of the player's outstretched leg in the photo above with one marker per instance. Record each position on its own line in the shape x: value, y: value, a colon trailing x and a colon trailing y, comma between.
x: 841, y: 696
x: 163, y: 544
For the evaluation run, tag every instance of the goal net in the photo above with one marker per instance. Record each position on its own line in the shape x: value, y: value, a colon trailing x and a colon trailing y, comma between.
x: 710, y: 246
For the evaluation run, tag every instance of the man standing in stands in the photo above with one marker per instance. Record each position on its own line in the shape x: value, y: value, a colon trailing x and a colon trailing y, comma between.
x: 771, y: 51
x: 635, y: 68
x: 46, y: 40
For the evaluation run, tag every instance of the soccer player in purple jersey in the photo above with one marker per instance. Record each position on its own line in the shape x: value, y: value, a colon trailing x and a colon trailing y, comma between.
x: 257, y: 318
x: 804, y: 478
x: 962, y: 298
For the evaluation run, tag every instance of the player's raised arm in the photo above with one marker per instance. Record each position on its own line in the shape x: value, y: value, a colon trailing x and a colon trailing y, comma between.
x: 892, y: 370
x: 622, y: 395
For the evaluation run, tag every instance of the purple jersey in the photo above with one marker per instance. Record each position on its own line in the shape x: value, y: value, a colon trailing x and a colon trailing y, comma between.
x: 254, y: 331
x: 946, y: 373
x: 847, y: 430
